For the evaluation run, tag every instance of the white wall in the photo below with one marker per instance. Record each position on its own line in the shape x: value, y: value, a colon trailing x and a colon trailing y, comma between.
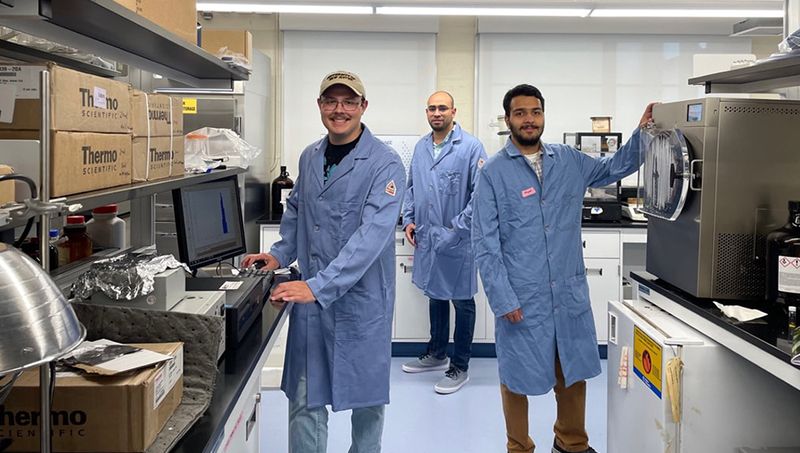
x: 581, y: 76
x: 398, y: 71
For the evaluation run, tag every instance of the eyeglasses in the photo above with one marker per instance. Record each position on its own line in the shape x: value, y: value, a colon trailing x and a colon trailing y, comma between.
x: 349, y: 105
x: 440, y: 108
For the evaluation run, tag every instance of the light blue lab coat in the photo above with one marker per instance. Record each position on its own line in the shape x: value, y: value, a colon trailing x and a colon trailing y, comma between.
x: 342, y: 235
x: 527, y: 241
x: 439, y: 201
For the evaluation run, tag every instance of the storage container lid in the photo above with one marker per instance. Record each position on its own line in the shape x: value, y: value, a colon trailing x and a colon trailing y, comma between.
x: 110, y: 209
x: 75, y: 220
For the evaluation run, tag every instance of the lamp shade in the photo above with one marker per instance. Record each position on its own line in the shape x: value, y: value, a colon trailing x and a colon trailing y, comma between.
x: 37, y: 324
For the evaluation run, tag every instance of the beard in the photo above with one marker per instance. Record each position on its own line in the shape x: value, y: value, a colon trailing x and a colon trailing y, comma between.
x: 441, y: 128
x: 524, y: 140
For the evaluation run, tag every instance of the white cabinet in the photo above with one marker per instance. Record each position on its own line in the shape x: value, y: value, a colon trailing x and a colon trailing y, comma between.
x: 601, y: 257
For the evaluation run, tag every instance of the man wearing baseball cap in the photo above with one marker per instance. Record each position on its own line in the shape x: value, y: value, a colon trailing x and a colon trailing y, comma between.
x: 339, y: 224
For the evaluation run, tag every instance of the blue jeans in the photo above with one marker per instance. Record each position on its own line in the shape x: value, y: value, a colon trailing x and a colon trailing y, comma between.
x: 308, y: 428
x: 440, y: 330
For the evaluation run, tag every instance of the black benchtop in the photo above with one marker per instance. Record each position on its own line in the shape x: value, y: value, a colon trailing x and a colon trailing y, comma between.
x: 235, y: 370
x: 761, y: 333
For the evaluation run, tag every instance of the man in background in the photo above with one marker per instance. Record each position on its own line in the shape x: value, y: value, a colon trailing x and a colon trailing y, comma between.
x: 437, y: 220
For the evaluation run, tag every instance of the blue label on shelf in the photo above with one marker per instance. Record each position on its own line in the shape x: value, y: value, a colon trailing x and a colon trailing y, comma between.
x: 644, y: 290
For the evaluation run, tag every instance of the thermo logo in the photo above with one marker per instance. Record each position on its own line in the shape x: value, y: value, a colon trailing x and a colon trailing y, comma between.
x: 33, y: 418
x: 87, y: 100
x: 106, y: 156
x: 159, y: 156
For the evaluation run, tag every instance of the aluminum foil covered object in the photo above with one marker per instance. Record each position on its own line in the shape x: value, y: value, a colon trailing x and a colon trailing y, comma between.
x: 123, y: 277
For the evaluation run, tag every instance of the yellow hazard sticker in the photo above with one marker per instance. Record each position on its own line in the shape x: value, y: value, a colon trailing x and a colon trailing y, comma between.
x: 647, y: 360
x: 189, y: 106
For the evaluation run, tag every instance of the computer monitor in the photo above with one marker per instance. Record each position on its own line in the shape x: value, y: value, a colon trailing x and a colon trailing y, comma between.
x: 208, y: 221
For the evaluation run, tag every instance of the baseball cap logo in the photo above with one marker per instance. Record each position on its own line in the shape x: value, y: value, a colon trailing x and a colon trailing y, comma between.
x: 341, y: 75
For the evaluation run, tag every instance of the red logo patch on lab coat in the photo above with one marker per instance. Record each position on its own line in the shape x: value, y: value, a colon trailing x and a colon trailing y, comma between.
x: 391, y: 189
x: 528, y: 192
x: 481, y: 162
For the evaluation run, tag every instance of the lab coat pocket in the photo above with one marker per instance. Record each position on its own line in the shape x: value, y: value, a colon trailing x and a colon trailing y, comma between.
x: 447, y: 242
x: 348, y: 315
x: 578, y: 303
x: 449, y: 182
x: 532, y: 314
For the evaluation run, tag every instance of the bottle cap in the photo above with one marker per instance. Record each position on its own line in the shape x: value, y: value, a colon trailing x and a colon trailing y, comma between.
x: 75, y: 220
x: 53, y: 234
x: 110, y: 209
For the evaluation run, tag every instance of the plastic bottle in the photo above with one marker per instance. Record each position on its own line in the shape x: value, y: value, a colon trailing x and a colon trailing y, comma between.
x: 783, y: 264
x: 106, y: 229
x: 78, y: 244
x: 281, y: 189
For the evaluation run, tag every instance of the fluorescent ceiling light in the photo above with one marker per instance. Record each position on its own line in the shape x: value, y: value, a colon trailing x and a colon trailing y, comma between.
x: 705, y: 13
x: 466, y: 11
x: 276, y: 8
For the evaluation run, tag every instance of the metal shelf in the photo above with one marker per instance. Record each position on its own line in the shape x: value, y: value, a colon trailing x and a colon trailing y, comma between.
x: 23, y: 53
x: 106, y: 28
x: 91, y: 200
x: 770, y: 75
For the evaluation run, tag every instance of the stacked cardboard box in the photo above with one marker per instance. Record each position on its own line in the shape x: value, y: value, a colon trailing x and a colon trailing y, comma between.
x: 176, y: 16
x: 90, y: 128
x: 93, y: 413
x: 158, y: 142
x: 237, y: 41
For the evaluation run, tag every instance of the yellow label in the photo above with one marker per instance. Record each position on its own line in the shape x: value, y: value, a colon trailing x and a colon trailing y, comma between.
x: 647, y: 360
x: 189, y: 106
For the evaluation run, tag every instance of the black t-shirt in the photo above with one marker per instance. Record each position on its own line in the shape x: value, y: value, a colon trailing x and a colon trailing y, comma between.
x: 334, y: 155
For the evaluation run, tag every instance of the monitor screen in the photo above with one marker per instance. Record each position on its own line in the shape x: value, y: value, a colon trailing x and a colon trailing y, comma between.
x: 208, y: 221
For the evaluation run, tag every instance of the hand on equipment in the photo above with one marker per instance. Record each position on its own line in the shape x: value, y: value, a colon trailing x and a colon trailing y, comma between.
x: 270, y: 263
x: 296, y: 291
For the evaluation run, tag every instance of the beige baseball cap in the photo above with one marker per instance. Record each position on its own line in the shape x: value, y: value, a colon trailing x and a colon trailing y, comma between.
x: 345, y: 78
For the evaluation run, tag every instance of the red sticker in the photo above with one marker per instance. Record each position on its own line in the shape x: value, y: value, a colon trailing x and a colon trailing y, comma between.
x: 481, y: 162
x: 528, y: 192
x: 390, y: 188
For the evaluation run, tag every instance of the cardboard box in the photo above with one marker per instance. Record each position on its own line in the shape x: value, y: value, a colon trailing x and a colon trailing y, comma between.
x: 165, y: 153
x: 177, y: 16
x: 155, y: 109
x: 82, y: 162
x: 239, y: 41
x: 601, y: 124
x: 7, y: 192
x: 79, y: 102
x: 97, y: 413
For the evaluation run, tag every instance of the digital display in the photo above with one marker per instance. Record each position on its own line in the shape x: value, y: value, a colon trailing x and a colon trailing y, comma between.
x: 694, y: 113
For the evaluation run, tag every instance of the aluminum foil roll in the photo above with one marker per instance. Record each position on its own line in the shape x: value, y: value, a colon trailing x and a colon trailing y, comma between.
x: 124, y: 276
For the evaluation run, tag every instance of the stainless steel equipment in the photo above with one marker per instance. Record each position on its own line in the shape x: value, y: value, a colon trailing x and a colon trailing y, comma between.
x: 714, y: 184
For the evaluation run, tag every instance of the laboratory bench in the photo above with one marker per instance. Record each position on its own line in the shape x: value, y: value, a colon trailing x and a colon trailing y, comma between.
x: 232, y: 418
x: 757, y: 341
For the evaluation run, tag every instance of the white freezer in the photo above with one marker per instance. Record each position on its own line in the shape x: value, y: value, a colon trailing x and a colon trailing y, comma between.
x: 726, y: 402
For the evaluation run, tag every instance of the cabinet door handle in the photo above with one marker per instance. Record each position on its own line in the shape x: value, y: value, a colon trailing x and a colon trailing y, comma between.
x: 598, y: 270
x: 406, y: 267
x: 584, y: 244
x: 400, y: 241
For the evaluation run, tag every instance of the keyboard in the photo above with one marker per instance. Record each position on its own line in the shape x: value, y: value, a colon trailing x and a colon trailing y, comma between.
x: 253, y: 272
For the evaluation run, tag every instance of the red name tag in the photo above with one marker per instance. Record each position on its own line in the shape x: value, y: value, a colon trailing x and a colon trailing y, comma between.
x: 528, y: 192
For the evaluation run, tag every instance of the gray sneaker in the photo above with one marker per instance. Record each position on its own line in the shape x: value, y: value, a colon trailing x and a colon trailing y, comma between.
x: 453, y: 380
x: 426, y: 362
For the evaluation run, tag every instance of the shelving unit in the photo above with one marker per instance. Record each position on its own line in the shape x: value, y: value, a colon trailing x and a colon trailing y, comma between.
x: 770, y: 75
x: 108, y: 29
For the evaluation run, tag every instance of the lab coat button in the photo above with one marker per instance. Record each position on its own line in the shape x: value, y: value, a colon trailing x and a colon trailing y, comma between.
x: 553, y: 283
x: 547, y: 228
x: 320, y: 198
x: 550, y: 256
x: 430, y: 187
x: 542, y: 202
x: 313, y: 257
x: 316, y: 227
